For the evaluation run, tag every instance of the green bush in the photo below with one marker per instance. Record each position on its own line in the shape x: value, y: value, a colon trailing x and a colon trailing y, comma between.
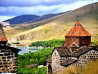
x: 49, y: 43
x: 38, y: 57
x: 16, y: 43
x: 32, y: 70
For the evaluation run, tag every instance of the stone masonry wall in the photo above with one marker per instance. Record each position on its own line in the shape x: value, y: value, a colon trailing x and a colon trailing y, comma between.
x: 91, y: 55
x: 56, y: 62
x: 8, y: 61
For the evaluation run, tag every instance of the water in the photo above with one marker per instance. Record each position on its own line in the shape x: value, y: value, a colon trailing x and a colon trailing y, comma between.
x: 26, y: 49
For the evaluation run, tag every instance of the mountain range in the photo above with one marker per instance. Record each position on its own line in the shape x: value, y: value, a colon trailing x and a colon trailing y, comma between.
x: 23, y: 19
x: 56, y: 27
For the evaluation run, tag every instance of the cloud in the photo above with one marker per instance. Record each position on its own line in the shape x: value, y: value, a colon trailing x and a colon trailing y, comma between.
x: 7, y: 3
x: 40, y: 9
x: 24, y: 3
x: 2, y: 18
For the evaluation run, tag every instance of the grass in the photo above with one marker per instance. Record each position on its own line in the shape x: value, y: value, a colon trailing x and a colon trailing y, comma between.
x: 52, y: 31
x: 57, y: 27
x: 90, y: 68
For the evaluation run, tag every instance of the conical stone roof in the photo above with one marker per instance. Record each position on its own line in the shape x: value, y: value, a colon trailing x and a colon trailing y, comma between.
x: 78, y: 30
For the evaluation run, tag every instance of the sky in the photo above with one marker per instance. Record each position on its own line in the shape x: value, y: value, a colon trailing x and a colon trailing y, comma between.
x: 12, y: 8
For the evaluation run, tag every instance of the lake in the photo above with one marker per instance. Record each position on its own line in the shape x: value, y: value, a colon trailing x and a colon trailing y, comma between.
x: 26, y: 49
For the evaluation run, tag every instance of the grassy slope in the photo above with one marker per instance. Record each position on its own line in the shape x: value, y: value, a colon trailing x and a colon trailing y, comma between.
x: 90, y: 68
x: 58, y: 26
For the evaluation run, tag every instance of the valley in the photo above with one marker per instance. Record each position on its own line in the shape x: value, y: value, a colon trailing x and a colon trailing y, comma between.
x: 56, y: 27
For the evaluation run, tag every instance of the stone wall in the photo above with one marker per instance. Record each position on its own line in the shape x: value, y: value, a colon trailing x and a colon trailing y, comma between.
x: 91, y: 55
x: 70, y: 41
x: 8, y: 61
x: 56, y: 62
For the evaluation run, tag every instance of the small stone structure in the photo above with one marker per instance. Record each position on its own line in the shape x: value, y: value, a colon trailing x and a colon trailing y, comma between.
x: 8, y: 55
x: 76, y: 50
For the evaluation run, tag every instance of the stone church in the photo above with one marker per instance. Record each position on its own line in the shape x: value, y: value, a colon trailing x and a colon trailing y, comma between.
x: 75, y: 51
x: 8, y: 55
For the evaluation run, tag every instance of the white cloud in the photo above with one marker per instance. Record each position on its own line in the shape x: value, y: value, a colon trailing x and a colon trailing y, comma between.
x: 7, y: 3
x: 40, y: 9
x: 25, y: 3
x: 2, y: 9
x: 2, y: 18
x: 65, y: 7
